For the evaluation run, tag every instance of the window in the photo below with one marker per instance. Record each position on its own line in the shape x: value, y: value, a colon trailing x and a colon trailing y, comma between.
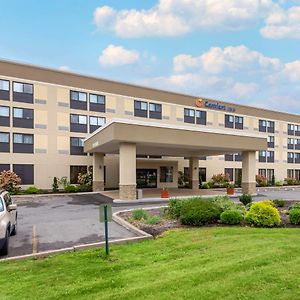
x: 22, y: 92
x: 201, y: 117
x: 23, y: 88
x: 4, y: 85
x: 291, y: 129
x: 4, y: 90
x: 189, y: 115
x: 239, y: 122
x: 290, y: 157
x: 78, y: 123
x: 96, y: 122
x: 291, y: 143
x: 297, y: 144
x: 297, y: 158
x: 4, y: 116
x: 229, y: 121
x: 166, y: 174
x: 78, y: 100
x: 262, y: 172
x: 20, y: 138
x: 229, y: 173
x: 76, y: 146
x: 266, y: 126
x: 26, y: 173
x: 290, y: 173
x: 270, y: 156
x: 22, y: 143
x: 74, y: 172
x: 202, y: 175
x: 4, y: 142
x: 97, y: 103
x: 262, y: 156
x: 140, y: 109
x: 155, y: 111
x: 23, y: 117
x: 271, y: 141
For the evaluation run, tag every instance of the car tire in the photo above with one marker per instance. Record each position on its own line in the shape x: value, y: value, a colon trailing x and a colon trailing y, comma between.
x: 4, y: 250
x: 14, y: 230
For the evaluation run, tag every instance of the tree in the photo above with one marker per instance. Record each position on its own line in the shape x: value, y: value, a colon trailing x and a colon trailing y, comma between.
x: 10, y: 181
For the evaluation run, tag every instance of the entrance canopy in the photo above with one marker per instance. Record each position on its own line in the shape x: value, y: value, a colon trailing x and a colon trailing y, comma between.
x: 153, y: 138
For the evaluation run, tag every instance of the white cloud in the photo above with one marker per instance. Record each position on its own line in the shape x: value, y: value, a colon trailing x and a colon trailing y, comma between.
x: 283, y: 24
x: 236, y: 74
x: 178, y: 17
x: 64, y: 68
x: 118, y: 56
x: 217, y: 60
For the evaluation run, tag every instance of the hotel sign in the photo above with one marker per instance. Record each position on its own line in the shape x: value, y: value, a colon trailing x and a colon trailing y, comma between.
x: 208, y: 104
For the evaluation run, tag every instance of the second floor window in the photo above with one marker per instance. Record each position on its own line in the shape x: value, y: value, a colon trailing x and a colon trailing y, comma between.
x: 194, y: 116
x: 95, y: 123
x: 266, y: 126
x: 234, y: 122
x: 271, y: 140
x: 4, y: 85
x: 22, y: 92
x: 76, y: 146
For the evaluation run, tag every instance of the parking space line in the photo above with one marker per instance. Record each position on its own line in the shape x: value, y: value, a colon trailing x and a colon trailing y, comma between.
x: 34, y: 240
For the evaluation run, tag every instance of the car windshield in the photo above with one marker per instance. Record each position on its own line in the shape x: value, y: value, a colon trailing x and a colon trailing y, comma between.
x: 1, y: 204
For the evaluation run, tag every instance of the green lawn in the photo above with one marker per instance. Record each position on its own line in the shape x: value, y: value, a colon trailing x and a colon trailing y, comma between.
x: 204, y: 263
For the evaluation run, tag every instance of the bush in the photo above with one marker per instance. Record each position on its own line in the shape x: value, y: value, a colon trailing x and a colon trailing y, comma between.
x: 71, y: 188
x: 263, y: 214
x: 153, y: 220
x: 55, y: 185
x: 32, y: 190
x: 197, y: 212
x: 220, y: 179
x: 85, y: 179
x: 278, y: 202
x: 211, y: 184
x: 291, y: 181
x: 174, y: 208
x: 205, y: 186
x: 225, y: 203
x: 245, y: 199
x: 10, y: 181
x: 295, y: 206
x: 294, y: 216
x: 279, y: 183
x: 231, y: 217
x: 139, y: 214
x: 261, y: 180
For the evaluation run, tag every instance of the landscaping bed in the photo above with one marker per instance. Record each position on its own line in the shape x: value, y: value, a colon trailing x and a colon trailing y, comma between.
x: 263, y: 214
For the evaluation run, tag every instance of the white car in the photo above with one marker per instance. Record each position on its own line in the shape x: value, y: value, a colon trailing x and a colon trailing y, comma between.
x: 8, y: 221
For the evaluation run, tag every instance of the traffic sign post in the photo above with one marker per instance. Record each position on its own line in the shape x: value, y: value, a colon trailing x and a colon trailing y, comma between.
x: 105, y: 217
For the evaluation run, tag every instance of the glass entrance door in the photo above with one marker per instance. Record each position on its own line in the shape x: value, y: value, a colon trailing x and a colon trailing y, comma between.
x: 146, y: 178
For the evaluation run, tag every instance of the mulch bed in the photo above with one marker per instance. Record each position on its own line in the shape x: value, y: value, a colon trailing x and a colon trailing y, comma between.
x: 167, y: 223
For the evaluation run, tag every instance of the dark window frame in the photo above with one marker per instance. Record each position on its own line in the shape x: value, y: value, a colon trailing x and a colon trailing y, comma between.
x: 23, y: 96
x: 97, y: 106
x: 139, y: 111
x: 27, y: 119
x: 5, y: 146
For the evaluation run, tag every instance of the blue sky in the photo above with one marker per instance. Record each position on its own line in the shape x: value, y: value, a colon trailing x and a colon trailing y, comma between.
x: 243, y: 51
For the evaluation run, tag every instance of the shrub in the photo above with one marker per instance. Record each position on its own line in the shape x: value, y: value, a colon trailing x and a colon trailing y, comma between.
x: 261, y: 180
x: 71, y: 188
x: 63, y: 181
x: 55, y: 185
x: 85, y: 179
x: 205, y: 186
x: 294, y: 216
x: 139, y: 214
x: 263, y: 214
x: 220, y: 179
x: 153, y: 220
x: 211, y: 184
x: 231, y: 217
x: 278, y: 202
x: 295, y: 206
x: 225, y: 203
x: 291, y: 181
x: 245, y: 199
x: 279, y: 183
x: 174, y: 208
x: 10, y: 181
x: 32, y: 190
x: 197, y: 212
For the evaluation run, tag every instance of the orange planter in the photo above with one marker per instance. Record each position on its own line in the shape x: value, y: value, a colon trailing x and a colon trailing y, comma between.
x: 164, y: 194
x: 230, y: 191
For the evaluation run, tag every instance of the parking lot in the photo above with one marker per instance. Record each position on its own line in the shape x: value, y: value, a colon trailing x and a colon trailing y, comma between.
x: 55, y: 222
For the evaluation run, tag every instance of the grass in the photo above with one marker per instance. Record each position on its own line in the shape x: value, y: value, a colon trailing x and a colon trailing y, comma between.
x: 202, y: 263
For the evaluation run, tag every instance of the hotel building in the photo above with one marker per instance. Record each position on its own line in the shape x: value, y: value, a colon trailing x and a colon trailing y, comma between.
x: 56, y: 123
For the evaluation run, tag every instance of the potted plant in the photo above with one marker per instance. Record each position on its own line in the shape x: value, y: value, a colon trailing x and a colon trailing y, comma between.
x: 164, y: 193
x: 230, y: 188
